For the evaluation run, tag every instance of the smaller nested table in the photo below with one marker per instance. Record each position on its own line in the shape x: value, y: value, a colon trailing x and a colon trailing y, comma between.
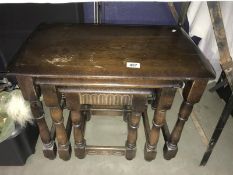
x: 115, y: 70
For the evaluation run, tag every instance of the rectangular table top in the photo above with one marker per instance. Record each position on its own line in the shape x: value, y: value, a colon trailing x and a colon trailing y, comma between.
x: 105, y: 51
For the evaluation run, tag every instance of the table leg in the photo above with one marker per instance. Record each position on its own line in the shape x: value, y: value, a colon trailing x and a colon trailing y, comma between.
x: 165, y: 131
x: 126, y: 113
x: 51, y: 99
x: 163, y: 103
x: 78, y: 121
x: 133, y: 124
x: 80, y: 143
x: 192, y: 93
x: 31, y: 94
x: 138, y: 107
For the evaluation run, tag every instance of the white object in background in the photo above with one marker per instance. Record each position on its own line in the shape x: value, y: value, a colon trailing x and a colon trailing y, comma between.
x: 18, y: 109
x: 201, y: 26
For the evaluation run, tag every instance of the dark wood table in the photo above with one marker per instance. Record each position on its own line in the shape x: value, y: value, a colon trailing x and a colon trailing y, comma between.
x: 92, y: 69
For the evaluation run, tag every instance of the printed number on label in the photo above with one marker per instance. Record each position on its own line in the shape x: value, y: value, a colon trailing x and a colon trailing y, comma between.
x: 133, y: 65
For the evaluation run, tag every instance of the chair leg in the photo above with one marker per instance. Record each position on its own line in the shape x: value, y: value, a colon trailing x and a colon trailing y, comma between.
x: 218, y: 130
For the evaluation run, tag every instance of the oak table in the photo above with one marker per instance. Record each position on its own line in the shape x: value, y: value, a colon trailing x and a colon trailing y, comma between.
x: 113, y: 70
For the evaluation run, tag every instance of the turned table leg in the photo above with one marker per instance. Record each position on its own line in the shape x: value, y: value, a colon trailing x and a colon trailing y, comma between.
x: 133, y: 119
x: 133, y: 124
x: 31, y: 94
x: 51, y: 98
x: 73, y: 104
x: 192, y: 93
x: 163, y: 103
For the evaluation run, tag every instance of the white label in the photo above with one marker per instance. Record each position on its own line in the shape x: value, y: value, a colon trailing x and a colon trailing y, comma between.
x: 133, y: 65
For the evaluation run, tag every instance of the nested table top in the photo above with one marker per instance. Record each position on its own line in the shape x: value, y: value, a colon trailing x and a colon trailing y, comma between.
x: 148, y: 52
